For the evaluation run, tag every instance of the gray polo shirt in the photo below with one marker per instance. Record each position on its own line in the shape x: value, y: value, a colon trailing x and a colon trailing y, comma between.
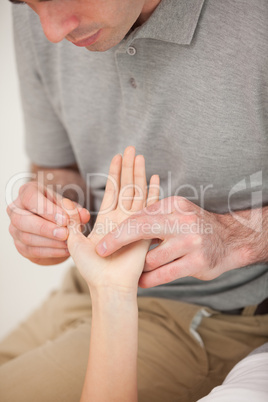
x: 188, y: 88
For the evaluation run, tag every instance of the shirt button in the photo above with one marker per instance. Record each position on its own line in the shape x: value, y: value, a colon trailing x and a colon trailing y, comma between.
x: 131, y: 50
x: 133, y: 82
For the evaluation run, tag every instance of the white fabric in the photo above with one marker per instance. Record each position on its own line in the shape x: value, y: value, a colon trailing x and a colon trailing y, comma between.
x: 246, y: 382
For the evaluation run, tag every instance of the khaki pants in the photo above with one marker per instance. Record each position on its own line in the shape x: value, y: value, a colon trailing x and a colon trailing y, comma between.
x: 184, y: 350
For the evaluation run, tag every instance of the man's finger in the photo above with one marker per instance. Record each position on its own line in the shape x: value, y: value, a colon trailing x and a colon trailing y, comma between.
x: 40, y: 252
x: 131, y: 230
x: 179, y: 268
x: 168, y: 251
x: 33, y: 240
x: 36, y: 202
x: 30, y: 223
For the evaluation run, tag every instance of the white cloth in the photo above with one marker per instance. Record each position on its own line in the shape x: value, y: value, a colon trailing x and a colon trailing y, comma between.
x: 246, y: 382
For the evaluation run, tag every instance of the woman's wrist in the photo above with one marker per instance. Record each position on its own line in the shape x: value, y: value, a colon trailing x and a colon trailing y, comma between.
x: 109, y: 295
x: 112, y: 364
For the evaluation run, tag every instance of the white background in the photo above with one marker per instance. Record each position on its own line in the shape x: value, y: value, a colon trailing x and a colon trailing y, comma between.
x: 23, y: 285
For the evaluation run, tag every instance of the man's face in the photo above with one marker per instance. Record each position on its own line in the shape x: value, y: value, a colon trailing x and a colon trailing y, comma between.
x: 78, y: 20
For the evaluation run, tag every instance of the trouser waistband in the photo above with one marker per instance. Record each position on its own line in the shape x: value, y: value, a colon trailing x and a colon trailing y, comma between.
x: 258, y: 309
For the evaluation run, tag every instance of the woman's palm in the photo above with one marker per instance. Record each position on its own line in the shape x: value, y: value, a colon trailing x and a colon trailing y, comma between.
x: 125, y: 194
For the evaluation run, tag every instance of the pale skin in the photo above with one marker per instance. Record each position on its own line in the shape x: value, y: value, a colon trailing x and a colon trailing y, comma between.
x: 75, y: 20
x: 33, y: 225
x: 112, y: 364
x: 38, y: 223
x: 229, y: 244
x: 205, y: 256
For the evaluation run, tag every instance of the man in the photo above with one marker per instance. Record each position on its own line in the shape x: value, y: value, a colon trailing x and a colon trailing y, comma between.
x: 186, y: 83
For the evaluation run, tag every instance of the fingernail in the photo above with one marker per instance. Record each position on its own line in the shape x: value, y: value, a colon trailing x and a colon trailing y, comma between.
x: 60, y: 233
x: 102, y: 248
x: 61, y: 220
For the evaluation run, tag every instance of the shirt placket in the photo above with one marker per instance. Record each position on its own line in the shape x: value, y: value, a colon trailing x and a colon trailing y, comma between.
x: 132, y: 73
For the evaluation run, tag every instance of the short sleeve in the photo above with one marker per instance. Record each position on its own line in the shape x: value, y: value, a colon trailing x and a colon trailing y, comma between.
x: 46, y: 140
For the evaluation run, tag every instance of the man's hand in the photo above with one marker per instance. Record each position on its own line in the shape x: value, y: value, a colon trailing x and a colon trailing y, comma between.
x: 193, y: 241
x: 39, y: 224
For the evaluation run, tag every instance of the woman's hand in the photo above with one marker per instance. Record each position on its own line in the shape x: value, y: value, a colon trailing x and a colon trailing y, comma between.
x: 125, y: 194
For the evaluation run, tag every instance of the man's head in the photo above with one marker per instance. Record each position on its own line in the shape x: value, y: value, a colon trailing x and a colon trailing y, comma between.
x: 78, y: 20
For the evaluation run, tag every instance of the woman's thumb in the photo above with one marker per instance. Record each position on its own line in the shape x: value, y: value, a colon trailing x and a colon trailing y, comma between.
x: 74, y: 225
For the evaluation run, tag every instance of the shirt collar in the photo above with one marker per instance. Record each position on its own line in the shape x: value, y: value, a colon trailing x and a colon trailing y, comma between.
x: 172, y: 21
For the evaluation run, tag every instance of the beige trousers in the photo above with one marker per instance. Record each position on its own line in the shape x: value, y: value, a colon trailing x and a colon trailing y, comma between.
x: 184, y: 350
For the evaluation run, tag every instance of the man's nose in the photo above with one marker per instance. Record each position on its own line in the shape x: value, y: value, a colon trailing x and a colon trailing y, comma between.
x: 57, y: 22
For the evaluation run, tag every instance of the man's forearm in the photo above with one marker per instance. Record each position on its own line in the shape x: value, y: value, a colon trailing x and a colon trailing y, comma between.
x: 247, y: 234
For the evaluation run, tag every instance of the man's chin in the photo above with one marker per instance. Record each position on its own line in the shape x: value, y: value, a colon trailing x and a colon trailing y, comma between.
x: 97, y: 48
x: 103, y: 46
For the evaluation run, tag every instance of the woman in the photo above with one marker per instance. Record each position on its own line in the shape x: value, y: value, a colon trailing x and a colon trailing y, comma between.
x: 112, y: 365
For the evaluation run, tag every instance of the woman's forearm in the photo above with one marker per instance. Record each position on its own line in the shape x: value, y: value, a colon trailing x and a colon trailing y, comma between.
x: 112, y: 365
